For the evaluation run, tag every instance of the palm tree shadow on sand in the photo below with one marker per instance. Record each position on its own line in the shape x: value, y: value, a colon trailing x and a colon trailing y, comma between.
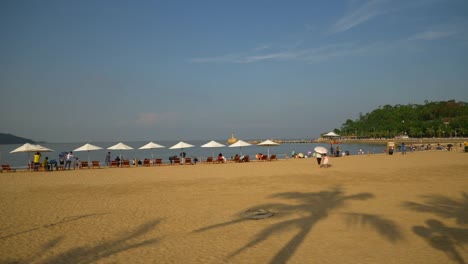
x: 311, y: 207
x: 84, y: 254
x: 439, y: 236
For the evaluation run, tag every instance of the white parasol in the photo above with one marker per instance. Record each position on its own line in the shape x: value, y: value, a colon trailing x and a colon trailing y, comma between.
x: 120, y: 146
x: 268, y: 143
x: 320, y: 150
x: 88, y: 147
x: 181, y: 145
x: 27, y: 147
x: 212, y: 144
x: 240, y: 143
x: 151, y: 145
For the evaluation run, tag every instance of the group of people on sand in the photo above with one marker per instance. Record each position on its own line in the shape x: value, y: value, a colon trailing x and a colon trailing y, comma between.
x: 65, y: 162
x: 323, y: 161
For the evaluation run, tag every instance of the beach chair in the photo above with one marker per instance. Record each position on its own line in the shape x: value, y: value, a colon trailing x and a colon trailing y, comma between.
x: 246, y: 158
x: 264, y: 158
x: 96, y: 164
x: 158, y: 162
x: 273, y: 157
x: 188, y: 161
x: 125, y: 164
x: 146, y: 163
x: 84, y: 165
x: 236, y: 159
x: 176, y: 161
x: 7, y: 168
x: 209, y: 160
x: 114, y: 164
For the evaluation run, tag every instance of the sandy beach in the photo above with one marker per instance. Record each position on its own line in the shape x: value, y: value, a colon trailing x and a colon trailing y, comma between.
x: 363, y: 209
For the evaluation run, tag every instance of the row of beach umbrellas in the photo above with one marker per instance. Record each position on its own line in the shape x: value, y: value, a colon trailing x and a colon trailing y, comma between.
x: 27, y: 147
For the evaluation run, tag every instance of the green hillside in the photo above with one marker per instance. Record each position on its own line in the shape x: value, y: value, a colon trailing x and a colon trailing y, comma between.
x: 433, y: 119
x: 12, y: 139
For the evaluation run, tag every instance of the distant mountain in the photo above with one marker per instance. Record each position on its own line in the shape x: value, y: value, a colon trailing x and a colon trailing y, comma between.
x: 12, y: 139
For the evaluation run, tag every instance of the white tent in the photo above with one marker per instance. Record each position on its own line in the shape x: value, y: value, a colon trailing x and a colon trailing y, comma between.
x: 331, y: 134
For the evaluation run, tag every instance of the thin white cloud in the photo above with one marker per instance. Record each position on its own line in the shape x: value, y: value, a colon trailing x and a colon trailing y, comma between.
x: 310, y: 55
x: 371, y: 9
x: 432, y: 35
x: 453, y: 28
x: 361, y: 14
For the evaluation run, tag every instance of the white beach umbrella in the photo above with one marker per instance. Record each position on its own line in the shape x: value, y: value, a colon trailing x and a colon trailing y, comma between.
x: 240, y: 143
x: 181, y: 145
x: 212, y: 144
x: 151, y: 145
x: 268, y: 143
x: 88, y: 147
x: 320, y: 150
x: 27, y: 147
x: 120, y: 146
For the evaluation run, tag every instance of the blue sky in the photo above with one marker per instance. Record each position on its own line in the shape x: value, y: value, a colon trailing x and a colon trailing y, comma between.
x: 74, y: 71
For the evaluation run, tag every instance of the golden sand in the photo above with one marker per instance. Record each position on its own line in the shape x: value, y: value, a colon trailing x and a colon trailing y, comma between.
x: 363, y: 209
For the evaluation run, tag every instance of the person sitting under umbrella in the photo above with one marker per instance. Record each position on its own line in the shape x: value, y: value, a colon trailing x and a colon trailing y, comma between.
x: 46, y: 164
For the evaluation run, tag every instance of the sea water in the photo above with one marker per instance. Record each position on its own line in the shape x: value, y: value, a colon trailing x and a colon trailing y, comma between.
x: 20, y: 160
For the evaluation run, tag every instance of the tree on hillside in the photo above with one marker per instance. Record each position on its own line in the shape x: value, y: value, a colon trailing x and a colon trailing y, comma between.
x: 433, y: 119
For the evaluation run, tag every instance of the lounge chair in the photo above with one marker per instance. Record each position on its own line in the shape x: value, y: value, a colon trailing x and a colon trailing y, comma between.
x: 158, y: 162
x: 236, y: 159
x: 7, y: 168
x: 125, y: 163
x: 146, y: 163
x: 32, y: 167
x: 176, y: 161
x: 209, y: 160
x: 84, y: 165
x: 246, y: 158
x: 188, y: 161
x: 114, y: 164
x: 273, y: 157
x: 96, y: 164
x: 264, y: 158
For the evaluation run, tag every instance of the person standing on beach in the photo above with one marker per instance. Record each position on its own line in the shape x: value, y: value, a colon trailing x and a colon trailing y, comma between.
x: 403, y: 149
x: 319, y: 158
x: 37, y: 158
x: 108, y: 159
x: 68, y: 160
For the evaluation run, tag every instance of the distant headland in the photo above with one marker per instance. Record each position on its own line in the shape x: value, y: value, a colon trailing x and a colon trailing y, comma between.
x: 12, y: 139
